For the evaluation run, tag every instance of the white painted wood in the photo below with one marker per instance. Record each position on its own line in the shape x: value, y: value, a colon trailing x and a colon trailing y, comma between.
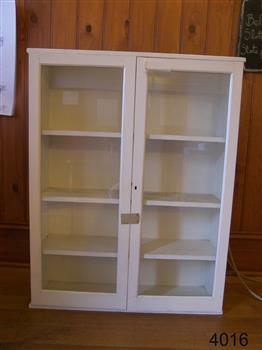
x: 81, y: 196
x: 35, y: 177
x: 182, y: 249
x: 81, y: 133
x: 94, y: 152
x: 167, y: 267
x: 173, y: 291
x: 228, y: 182
x: 74, y: 53
x: 80, y: 172
x: 76, y: 245
x: 165, y: 137
x: 182, y: 200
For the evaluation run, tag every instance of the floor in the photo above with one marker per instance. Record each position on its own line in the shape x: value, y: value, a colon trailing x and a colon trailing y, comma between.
x: 23, y: 328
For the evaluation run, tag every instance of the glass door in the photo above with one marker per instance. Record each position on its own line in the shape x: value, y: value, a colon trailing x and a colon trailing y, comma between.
x: 86, y: 144
x: 179, y: 156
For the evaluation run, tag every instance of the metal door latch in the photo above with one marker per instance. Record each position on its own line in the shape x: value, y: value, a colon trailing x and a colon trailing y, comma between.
x: 130, y: 219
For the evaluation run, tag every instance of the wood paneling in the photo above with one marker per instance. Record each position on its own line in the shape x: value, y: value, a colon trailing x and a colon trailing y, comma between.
x: 186, y: 26
x: 13, y: 140
x: 38, y: 23
x: 142, y: 25
x: 63, y: 24
x: 14, y: 243
x: 219, y: 27
x: 246, y: 103
x: 90, y: 24
x: 193, y: 26
x: 252, y: 201
x: 168, y: 16
x: 116, y: 25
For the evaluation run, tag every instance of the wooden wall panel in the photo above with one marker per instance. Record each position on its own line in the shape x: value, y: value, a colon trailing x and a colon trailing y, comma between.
x: 235, y: 27
x: 219, y: 27
x: 116, y: 25
x: 243, y: 136
x: 186, y: 26
x: 14, y: 160
x: 193, y: 26
x: 252, y: 199
x: 64, y: 24
x: 90, y: 24
x: 168, y: 26
x: 38, y: 15
x: 246, y: 253
x: 142, y: 25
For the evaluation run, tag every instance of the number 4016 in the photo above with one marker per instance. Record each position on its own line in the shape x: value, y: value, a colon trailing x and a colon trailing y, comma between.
x: 224, y: 339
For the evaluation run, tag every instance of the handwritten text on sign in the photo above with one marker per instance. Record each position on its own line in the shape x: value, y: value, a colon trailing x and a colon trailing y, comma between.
x: 250, y: 41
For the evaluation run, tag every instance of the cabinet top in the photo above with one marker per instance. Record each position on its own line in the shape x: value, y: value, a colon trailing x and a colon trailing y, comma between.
x: 134, y: 54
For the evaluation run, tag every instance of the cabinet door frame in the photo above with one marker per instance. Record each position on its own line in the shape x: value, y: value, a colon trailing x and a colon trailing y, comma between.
x: 184, y: 304
x: 66, y: 299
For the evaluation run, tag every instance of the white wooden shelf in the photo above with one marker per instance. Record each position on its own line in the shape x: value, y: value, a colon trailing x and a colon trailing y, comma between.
x: 81, y: 196
x: 95, y: 246
x: 103, y: 134
x: 182, y: 249
x: 175, y: 199
x: 188, y: 138
x: 166, y: 290
x: 81, y: 286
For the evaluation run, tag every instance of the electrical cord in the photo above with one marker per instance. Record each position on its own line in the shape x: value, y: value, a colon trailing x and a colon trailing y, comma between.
x: 243, y: 277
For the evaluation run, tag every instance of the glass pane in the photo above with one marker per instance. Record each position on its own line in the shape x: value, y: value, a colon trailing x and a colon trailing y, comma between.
x: 186, y: 120
x: 187, y: 103
x: 81, y: 112
x: 82, y: 98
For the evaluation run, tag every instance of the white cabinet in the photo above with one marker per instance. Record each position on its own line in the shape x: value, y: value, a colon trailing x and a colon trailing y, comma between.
x: 132, y: 160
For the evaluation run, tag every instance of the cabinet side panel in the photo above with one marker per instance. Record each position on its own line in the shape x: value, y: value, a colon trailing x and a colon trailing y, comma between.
x: 228, y: 180
x: 34, y: 176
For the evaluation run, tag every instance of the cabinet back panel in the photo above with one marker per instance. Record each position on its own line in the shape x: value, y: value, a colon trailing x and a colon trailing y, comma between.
x: 82, y: 98
x: 179, y: 223
x: 82, y: 163
x: 187, y: 103
x: 78, y: 270
x: 183, y: 167
x: 80, y: 219
x: 174, y: 273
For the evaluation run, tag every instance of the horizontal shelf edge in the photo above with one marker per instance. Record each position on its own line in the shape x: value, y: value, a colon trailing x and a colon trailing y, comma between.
x: 181, y: 204
x: 167, y: 137
x: 81, y: 133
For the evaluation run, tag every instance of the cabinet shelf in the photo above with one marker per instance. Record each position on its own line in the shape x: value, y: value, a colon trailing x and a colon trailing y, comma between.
x: 176, y: 199
x: 76, y: 133
x: 186, y: 249
x: 96, y: 246
x: 169, y: 137
x: 81, y: 196
x: 81, y: 286
x: 165, y: 290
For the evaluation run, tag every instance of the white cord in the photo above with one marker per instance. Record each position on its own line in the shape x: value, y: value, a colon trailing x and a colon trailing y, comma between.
x: 243, y: 277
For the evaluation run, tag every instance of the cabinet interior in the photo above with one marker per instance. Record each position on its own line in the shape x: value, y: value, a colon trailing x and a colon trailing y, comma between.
x: 183, y: 167
x: 187, y: 103
x: 81, y: 98
x: 81, y: 164
x: 176, y: 278
x: 81, y: 274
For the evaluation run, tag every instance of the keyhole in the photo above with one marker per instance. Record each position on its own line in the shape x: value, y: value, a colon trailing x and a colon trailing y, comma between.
x: 135, y: 187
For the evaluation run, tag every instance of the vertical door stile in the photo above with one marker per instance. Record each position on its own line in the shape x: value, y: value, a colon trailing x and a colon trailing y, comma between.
x: 137, y: 178
x: 126, y: 175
